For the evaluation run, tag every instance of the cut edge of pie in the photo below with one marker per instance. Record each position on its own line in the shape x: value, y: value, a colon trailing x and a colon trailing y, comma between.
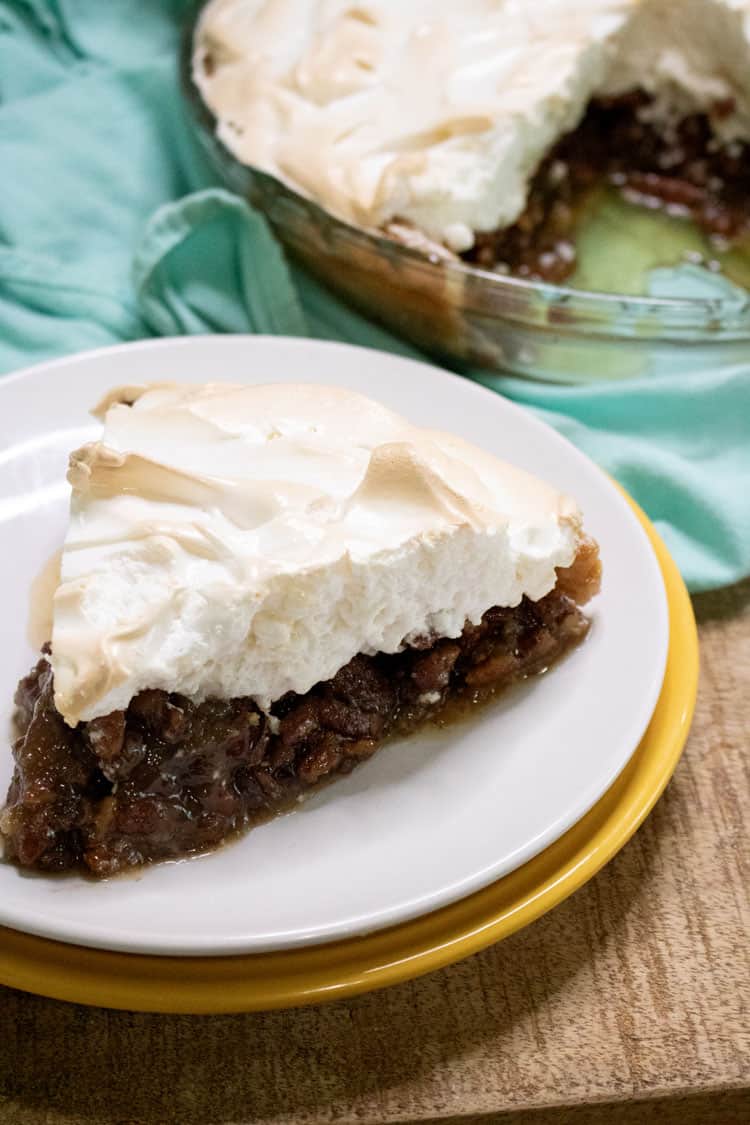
x: 167, y: 778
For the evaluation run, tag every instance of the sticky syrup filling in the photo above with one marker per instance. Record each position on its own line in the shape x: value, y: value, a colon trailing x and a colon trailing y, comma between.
x: 679, y: 166
x: 168, y: 778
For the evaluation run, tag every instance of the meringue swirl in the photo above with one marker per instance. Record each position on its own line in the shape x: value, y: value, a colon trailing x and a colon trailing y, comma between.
x: 434, y: 113
x: 229, y: 540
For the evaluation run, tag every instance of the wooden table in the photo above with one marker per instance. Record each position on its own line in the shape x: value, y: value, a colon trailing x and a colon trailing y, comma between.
x: 629, y: 1003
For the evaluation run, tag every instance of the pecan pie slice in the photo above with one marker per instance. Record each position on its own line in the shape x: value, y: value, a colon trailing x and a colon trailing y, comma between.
x: 260, y: 585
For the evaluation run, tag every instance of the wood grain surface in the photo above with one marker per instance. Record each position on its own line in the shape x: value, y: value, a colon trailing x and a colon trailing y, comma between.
x: 628, y: 1003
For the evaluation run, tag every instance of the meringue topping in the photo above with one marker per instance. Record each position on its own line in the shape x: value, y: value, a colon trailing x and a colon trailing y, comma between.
x: 436, y: 113
x: 229, y: 540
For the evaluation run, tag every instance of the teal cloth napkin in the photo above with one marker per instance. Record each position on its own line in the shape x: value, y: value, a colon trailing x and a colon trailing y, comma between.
x: 112, y: 228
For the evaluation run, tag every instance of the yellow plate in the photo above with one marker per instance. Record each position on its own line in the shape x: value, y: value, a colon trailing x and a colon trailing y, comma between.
x: 343, y: 968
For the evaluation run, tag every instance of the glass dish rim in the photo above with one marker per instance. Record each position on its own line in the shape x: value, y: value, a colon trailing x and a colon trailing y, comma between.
x: 618, y: 315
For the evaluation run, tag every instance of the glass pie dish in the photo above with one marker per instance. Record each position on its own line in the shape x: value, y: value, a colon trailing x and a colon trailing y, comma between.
x: 466, y: 315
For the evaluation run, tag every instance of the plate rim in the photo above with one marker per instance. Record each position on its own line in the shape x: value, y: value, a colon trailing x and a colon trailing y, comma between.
x: 95, y: 357
x: 334, y: 970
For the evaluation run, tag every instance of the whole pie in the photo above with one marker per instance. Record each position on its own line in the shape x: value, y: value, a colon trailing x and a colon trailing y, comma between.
x: 478, y: 128
x: 259, y: 585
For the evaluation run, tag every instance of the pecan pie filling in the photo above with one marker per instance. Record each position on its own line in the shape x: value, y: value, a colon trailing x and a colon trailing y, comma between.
x: 168, y: 778
x: 678, y: 166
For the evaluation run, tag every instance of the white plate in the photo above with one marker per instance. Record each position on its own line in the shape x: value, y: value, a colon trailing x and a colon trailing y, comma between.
x: 428, y: 819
